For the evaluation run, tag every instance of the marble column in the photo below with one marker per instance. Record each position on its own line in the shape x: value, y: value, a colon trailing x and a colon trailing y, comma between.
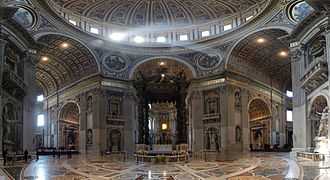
x: 29, y: 106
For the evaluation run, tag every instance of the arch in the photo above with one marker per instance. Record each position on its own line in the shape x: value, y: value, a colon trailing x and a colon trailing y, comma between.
x: 66, y: 65
x: 115, y: 140
x: 259, y: 124
x: 262, y: 61
x: 192, y: 69
x: 69, y: 125
x: 229, y: 55
x: 266, y: 112
x: 68, y: 102
x: 38, y: 36
x: 319, y: 98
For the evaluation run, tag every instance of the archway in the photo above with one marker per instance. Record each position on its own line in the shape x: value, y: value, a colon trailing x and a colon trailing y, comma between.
x: 259, y: 123
x: 316, y: 109
x: 162, y: 89
x: 115, y: 141
x: 263, y: 56
x: 63, y: 61
x: 69, y: 126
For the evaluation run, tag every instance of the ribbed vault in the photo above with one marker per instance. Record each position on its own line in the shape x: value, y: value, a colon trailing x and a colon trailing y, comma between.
x: 64, y: 64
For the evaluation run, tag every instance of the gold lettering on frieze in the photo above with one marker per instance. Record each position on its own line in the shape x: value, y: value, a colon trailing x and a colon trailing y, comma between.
x: 114, y: 84
x: 213, y: 82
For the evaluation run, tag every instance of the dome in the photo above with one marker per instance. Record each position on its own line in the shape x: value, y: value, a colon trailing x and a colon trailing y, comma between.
x: 135, y: 13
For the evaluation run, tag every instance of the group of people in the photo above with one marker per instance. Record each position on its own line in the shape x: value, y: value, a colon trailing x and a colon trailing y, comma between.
x: 6, y: 157
x: 54, y: 153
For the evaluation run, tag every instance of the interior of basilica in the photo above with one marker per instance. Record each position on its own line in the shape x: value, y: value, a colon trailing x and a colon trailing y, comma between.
x: 164, y: 89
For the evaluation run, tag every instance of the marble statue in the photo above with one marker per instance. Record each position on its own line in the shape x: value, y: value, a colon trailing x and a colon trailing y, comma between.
x: 89, y: 136
x: 322, y: 141
x: 323, y: 127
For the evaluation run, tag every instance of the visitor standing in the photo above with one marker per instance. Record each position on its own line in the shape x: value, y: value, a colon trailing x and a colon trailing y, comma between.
x: 54, y: 153
x: 26, y: 154
x: 59, y: 153
x: 4, y: 154
x: 37, y: 154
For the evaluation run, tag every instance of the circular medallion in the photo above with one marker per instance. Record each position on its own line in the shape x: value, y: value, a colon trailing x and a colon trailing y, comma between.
x: 205, y: 61
x: 24, y: 17
x: 115, y: 63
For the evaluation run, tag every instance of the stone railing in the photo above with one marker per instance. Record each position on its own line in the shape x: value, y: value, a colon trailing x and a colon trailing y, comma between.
x: 315, y: 64
x: 315, y: 74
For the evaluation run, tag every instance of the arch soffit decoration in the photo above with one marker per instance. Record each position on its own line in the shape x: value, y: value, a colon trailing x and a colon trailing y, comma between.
x: 179, y: 60
x: 230, y: 52
x: 68, y: 103
x: 314, y: 99
x: 65, y: 65
x: 245, y: 44
x: 263, y: 102
x: 312, y: 33
x: 39, y: 35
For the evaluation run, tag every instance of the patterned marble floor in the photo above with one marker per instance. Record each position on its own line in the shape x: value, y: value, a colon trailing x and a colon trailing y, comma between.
x: 254, y: 166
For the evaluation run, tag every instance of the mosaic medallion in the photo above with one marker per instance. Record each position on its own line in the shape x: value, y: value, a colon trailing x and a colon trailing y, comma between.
x: 115, y: 63
x: 24, y: 17
x: 299, y: 10
x: 207, y: 62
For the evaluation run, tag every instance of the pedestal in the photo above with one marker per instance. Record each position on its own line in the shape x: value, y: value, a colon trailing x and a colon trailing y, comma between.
x: 321, y: 145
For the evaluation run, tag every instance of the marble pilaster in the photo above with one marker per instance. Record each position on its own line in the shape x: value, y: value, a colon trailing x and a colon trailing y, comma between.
x: 29, y: 114
x: 327, y: 39
x: 2, y: 58
x: 300, y: 124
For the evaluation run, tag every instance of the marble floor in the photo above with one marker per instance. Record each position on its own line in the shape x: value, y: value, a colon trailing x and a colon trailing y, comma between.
x: 273, y: 166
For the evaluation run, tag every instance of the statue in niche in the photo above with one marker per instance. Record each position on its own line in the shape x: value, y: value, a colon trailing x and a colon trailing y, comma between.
x: 238, y: 133
x: 89, y: 103
x: 89, y: 136
x: 237, y: 99
x: 216, y: 140
x: 323, y: 127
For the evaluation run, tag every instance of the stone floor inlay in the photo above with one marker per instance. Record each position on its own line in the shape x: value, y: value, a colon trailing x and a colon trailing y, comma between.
x: 254, y: 166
